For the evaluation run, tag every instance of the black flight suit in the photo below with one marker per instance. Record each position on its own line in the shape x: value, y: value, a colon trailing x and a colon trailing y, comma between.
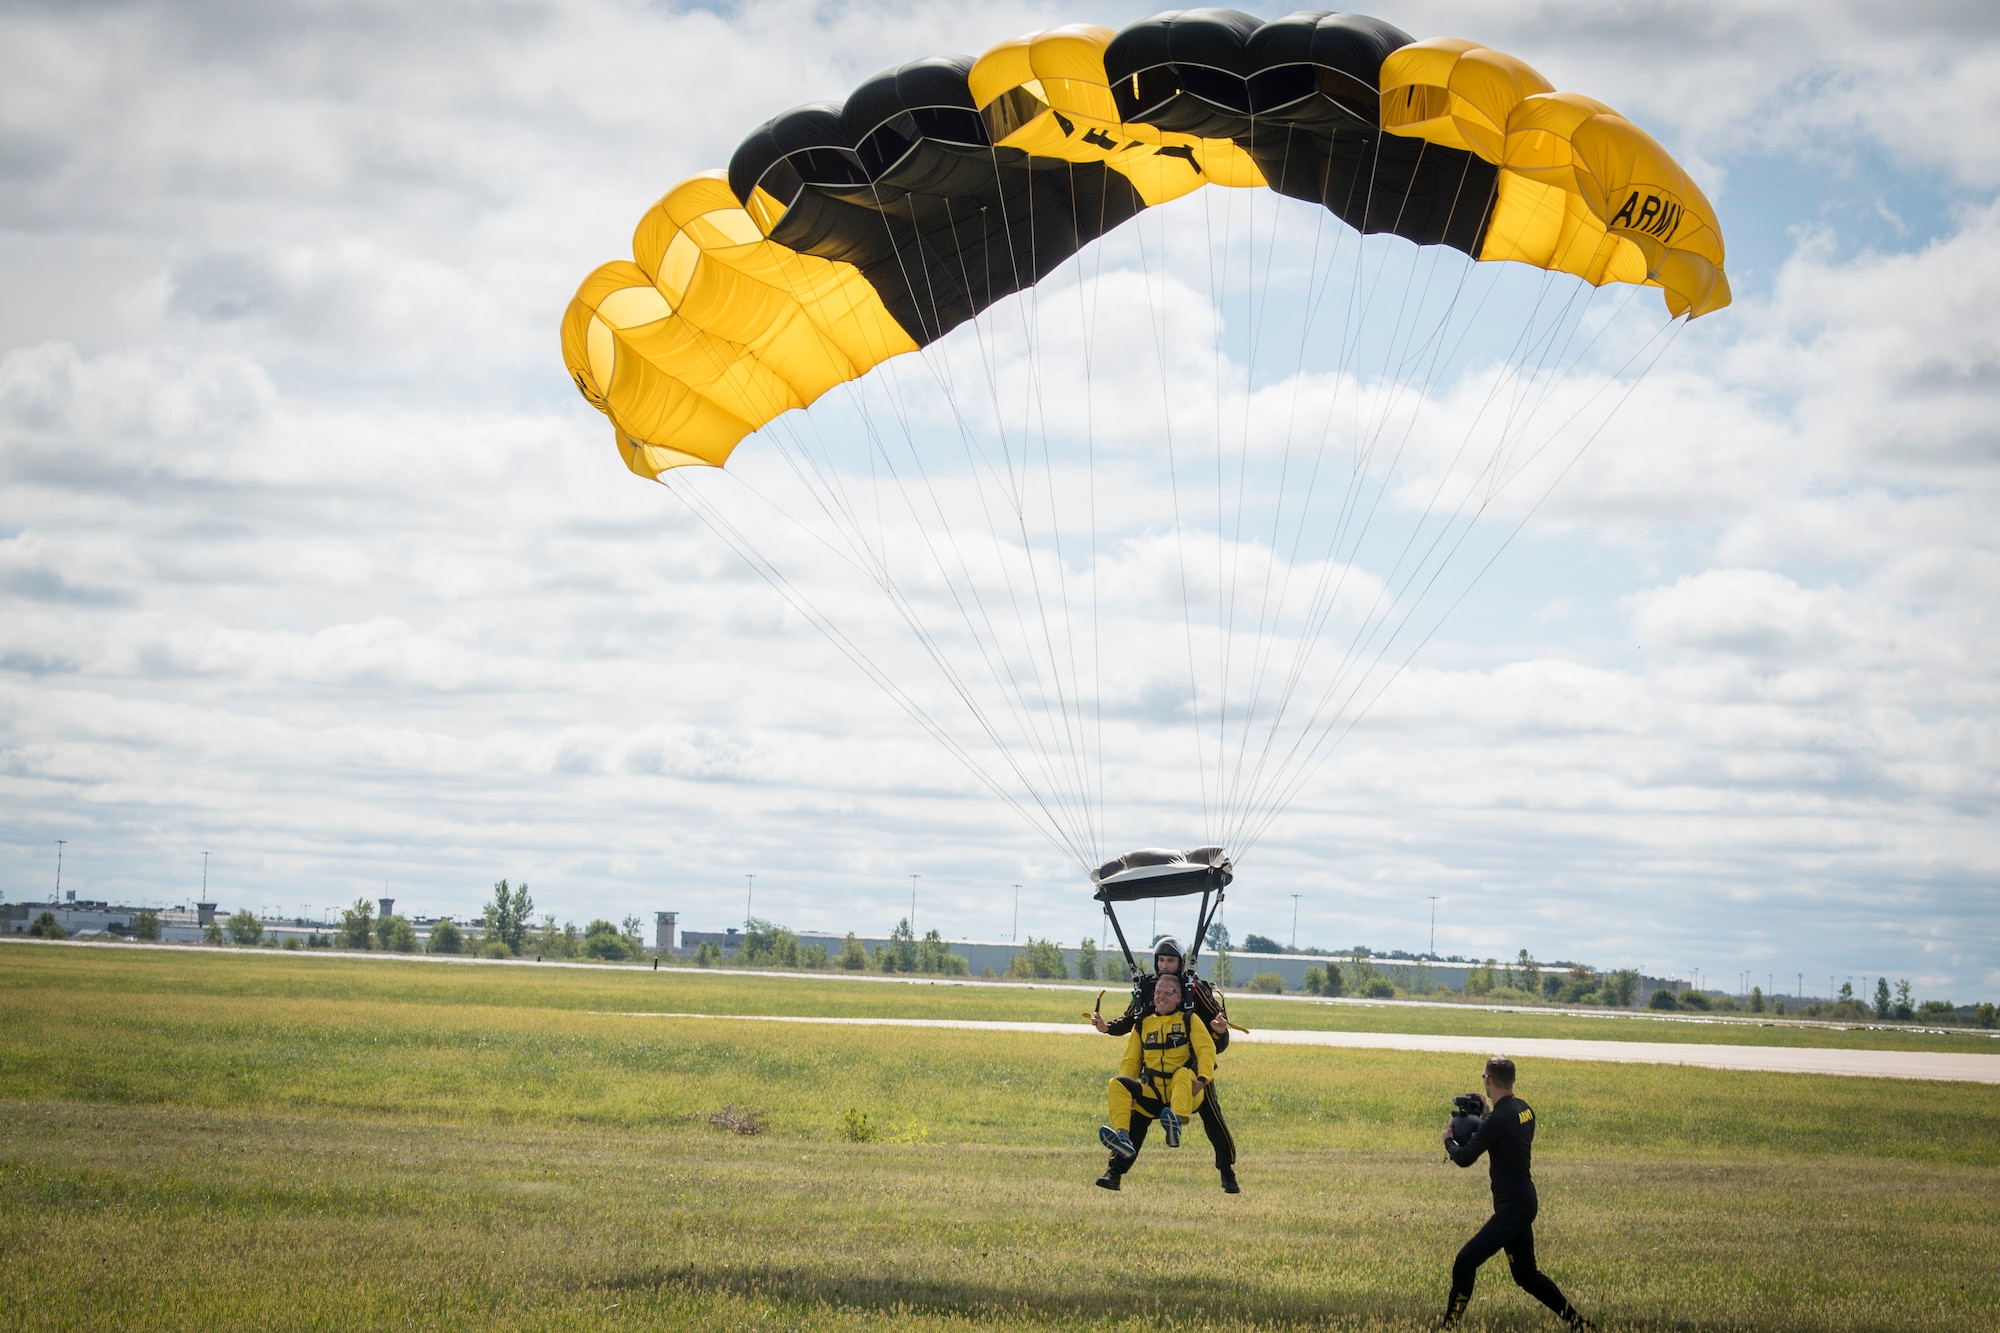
x: 1507, y: 1137
x: 1199, y: 998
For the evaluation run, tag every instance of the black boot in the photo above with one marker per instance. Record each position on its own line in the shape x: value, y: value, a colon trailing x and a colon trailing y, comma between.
x: 1229, y: 1185
x: 1108, y: 1181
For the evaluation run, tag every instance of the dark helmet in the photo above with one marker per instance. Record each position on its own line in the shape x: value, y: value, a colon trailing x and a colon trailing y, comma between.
x: 1169, y: 945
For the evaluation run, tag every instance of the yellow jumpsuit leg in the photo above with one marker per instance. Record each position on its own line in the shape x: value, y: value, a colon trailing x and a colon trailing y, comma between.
x: 1119, y: 1098
x: 1181, y: 1094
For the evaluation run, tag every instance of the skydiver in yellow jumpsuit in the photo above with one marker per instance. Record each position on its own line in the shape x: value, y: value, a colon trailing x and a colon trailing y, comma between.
x: 1168, y: 1064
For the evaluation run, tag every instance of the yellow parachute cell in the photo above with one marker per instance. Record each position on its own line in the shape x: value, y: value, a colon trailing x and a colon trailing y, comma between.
x: 713, y: 329
x: 1047, y: 94
x: 1581, y: 189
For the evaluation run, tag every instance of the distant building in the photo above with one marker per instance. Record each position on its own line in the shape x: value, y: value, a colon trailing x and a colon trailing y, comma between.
x: 187, y: 925
x: 88, y: 917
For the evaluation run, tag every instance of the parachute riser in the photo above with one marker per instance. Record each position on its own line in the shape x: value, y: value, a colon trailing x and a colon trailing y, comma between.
x: 1211, y: 903
x: 1201, y: 926
x: 1131, y: 963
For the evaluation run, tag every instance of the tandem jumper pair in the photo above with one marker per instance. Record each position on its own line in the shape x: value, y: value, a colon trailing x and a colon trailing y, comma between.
x: 1168, y: 1069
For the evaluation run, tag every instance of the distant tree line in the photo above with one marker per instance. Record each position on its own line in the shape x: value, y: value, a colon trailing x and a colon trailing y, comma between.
x: 509, y: 930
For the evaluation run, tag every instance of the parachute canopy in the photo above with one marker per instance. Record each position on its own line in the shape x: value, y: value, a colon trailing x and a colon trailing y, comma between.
x: 842, y: 235
x: 1178, y: 480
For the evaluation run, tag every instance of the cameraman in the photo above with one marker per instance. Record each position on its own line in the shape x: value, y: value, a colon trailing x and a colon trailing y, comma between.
x: 1506, y: 1136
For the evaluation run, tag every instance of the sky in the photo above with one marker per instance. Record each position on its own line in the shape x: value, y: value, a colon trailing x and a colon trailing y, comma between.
x: 313, y: 560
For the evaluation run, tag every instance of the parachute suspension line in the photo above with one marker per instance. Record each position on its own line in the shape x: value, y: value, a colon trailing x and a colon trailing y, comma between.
x: 830, y: 494
x: 1154, y: 309
x: 1033, y: 409
x: 913, y: 621
x: 1087, y: 319
x: 1513, y: 366
x: 1360, y: 300
x: 1226, y: 772
x: 1673, y: 329
x: 927, y: 639
x: 1334, y: 567
x: 1564, y: 369
x: 1398, y: 388
x: 1530, y: 392
x: 1030, y: 310
x: 1087, y: 312
x: 1023, y: 718
x: 1217, y: 298
x: 1388, y: 592
x: 1070, y: 758
x: 1401, y: 387
x: 1323, y: 601
x: 1316, y: 304
x: 1020, y: 702
x: 1282, y: 783
x: 1388, y: 381
x: 1267, y: 617
x: 733, y: 538
x: 1228, y: 536
x: 856, y: 555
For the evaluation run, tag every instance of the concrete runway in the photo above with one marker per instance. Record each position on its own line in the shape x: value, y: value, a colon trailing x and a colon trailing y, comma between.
x: 1945, y: 1066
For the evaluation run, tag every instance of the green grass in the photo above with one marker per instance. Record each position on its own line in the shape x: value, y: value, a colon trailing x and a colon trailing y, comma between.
x: 198, y: 1140
x: 141, y: 971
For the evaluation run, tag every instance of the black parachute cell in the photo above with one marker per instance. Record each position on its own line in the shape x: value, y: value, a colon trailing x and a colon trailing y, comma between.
x: 903, y: 183
x: 1319, y: 69
x: 1300, y: 95
x: 1185, y: 71
x: 804, y: 144
x: 924, y: 101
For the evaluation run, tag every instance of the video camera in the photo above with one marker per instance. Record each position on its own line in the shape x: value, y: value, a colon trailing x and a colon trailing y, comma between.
x: 1468, y: 1114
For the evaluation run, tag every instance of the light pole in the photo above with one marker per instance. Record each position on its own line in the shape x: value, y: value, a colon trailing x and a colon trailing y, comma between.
x: 1295, y: 923
x: 59, y: 852
x: 913, y: 905
x: 1434, y: 926
x: 1015, y: 937
x: 204, y: 876
x: 749, y: 895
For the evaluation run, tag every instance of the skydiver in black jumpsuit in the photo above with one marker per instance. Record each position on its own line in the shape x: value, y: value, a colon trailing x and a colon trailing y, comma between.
x: 1507, y: 1137
x: 1202, y: 1000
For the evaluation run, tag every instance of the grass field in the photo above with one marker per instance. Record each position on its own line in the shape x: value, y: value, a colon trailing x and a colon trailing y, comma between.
x: 691, y: 990
x: 199, y: 1140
